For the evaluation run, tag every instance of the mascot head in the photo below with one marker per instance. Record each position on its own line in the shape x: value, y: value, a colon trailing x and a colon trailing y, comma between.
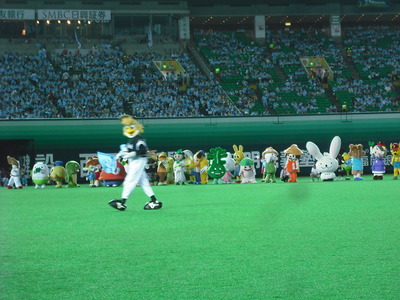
x: 293, y: 152
x: 72, y: 167
x: 179, y: 155
x: 13, y: 162
x: 93, y: 164
x: 270, y: 155
x: 247, y: 164
x: 379, y: 150
x: 394, y: 149
x: 356, y: 151
x: 346, y: 156
x: 131, y: 126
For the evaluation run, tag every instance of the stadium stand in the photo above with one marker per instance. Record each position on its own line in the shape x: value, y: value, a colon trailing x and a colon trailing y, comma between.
x: 105, y: 81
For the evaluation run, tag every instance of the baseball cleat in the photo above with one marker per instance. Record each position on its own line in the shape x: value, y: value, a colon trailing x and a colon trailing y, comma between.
x: 117, y: 204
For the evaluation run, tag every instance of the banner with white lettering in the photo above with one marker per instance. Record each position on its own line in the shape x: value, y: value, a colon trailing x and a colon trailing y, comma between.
x: 17, y: 14
x: 74, y: 14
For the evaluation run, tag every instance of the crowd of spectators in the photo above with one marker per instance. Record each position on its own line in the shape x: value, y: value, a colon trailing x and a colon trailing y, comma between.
x: 286, y: 47
x: 290, y: 45
x: 59, y: 86
x: 24, y: 85
x: 366, y: 96
x: 105, y: 82
x: 165, y: 98
x: 92, y: 85
x: 235, y: 55
x: 375, y: 50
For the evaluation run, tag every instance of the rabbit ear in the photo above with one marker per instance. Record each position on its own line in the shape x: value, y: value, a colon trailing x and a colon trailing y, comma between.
x: 314, y: 150
x: 235, y: 148
x: 335, y: 147
x: 240, y: 148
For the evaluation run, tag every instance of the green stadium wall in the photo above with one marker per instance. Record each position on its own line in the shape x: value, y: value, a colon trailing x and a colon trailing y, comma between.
x: 71, y: 139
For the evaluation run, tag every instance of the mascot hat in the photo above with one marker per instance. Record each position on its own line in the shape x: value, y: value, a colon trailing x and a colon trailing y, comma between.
x: 293, y: 149
x: 247, y: 162
x: 270, y: 150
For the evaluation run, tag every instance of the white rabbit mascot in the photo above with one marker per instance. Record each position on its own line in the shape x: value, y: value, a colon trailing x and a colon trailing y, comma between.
x: 326, y: 163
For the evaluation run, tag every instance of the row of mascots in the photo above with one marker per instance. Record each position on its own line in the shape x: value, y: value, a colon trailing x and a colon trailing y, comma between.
x: 218, y: 164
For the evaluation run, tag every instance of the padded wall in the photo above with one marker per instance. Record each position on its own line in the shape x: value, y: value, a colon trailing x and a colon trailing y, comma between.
x: 67, y: 139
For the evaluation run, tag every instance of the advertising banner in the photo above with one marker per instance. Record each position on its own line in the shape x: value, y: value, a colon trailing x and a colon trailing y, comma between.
x: 74, y: 14
x: 17, y: 14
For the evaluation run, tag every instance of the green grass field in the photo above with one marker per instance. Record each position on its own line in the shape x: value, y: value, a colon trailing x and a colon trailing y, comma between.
x: 322, y: 240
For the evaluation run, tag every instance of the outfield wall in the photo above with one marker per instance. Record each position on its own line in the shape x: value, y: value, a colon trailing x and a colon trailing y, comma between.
x: 71, y: 139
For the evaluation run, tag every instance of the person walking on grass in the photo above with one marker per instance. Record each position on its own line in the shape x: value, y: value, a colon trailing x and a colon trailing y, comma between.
x: 137, y: 153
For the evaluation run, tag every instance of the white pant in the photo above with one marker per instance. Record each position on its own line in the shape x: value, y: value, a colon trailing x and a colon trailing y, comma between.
x: 14, y: 180
x: 136, y: 174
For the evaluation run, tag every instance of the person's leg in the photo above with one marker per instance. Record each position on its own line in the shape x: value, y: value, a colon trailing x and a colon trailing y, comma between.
x: 148, y: 190
x: 133, y: 176
x: 145, y: 184
x: 134, y: 172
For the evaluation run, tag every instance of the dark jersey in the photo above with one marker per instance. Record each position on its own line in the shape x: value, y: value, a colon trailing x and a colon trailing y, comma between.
x: 137, y: 144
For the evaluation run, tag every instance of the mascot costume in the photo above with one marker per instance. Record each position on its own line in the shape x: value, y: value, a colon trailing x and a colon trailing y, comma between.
x: 93, y: 167
x: 115, y: 178
x: 346, y: 164
x: 112, y: 171
x: 58, y: 173
x: 378, y: 153
x: 229, y: 168
x: 326, y: 164
x: 161, y: 174
x: 189, y: 164
x: 137, y: 154
x: 356, y: 152
x: 315, y: 174
x: 72, y: 168
x: 40, y: 175
x: 395, y: 162
x: 269, y: 159
x: 151, y: 169
x: 170, y: 170
x: 217, y: 169
x: 15, y: 173
x: 238, y: 156
x: 201, y: 166
x: 247, y: 171
x: 179, y: 167
x: 292, y: 162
